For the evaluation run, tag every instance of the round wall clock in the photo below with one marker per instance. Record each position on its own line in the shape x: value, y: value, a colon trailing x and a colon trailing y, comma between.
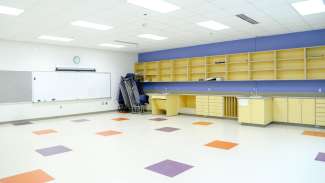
x: 76, y: 59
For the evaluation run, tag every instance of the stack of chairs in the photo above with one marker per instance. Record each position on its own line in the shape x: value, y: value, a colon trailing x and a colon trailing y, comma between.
x: 131, y: 96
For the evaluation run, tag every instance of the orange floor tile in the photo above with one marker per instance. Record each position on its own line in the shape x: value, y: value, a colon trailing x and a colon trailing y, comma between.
x: 314, y: 133
x: 36, y: 176
x: 108, y: 133
x: 120, y: 119
x: 221, y: 144
x: 44, y: 132
x: 202, y: 123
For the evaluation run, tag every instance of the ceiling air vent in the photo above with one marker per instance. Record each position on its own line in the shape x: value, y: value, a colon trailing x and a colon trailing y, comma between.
x: 247, y: 19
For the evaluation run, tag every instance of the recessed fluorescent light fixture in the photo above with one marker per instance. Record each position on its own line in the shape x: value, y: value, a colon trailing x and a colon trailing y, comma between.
x: 210, y: 24
x: 152, y: 36
x: 112, y: 45
x: 55, y: 38
x: 155, y: 5
x: 10, y: 11
x: 309, y: 7
x: 90, y: 25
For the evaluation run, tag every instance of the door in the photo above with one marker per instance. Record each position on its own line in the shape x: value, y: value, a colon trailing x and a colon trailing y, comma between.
x: 294, y: 110
x: 308, y: 111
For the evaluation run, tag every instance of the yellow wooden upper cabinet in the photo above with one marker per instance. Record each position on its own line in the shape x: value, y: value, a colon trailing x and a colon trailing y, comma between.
x: 280, y: 109
x: 288, y: 64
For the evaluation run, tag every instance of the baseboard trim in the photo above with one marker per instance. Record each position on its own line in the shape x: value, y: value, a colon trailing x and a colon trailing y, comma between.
x: 55, y: 117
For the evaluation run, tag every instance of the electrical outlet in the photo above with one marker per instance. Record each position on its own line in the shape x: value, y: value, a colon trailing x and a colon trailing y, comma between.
x: 209, y: 89
x: 61, y: 106
x: 320, y: 90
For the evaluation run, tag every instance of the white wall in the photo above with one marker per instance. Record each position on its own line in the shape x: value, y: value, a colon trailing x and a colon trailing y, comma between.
x: 20, y: 56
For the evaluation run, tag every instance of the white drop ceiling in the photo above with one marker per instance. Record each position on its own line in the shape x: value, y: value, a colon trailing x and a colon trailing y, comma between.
x: 54, y: 17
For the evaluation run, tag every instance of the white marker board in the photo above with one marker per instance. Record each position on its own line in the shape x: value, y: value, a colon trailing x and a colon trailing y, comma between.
x: 61, y: 86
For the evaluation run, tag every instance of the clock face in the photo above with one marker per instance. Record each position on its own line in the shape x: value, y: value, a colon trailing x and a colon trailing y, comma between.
x: 76, y: 59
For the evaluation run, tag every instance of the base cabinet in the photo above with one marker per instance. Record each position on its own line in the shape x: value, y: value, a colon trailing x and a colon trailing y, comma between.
x: 302, y: 111
x: 209, y: 106
x: 255, y: 110
x: 320, y: 111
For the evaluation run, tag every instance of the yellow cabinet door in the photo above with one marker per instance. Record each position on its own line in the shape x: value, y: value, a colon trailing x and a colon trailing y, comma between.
x: 256, y: 108
x: 280, y: 109
x: 308, y: 111
x: 243, y: 111
x: 294, y: 110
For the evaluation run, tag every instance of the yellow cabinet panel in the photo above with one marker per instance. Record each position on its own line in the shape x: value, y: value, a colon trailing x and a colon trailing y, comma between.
x: 280, y: 109
x: 260, y: 111
x: 320, y: 101
x: 294, y: 110
x: 243, y: 111
x: 255, y: 110
x: 308, y: 111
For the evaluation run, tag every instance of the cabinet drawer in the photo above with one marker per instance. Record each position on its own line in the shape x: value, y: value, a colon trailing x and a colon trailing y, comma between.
x: 216, y: 97
x: 320, y: 117
x: 320, y: 123
x: 320, y: 109
x: 320, y: 105
x: 215, y: 109
x: 216, y: 102
x: 202, y: 106
x: 217, y: 114
x: 320, y: 101
x: 202, y: 97
x: 202, y: 112
x: 215, y: 106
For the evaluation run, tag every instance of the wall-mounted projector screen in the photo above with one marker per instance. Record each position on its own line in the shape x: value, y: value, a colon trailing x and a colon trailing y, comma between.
x: 61, y: 86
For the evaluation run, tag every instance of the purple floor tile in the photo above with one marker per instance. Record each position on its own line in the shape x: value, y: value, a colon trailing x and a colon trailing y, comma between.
x: 169, y: 168
x: 80, y: 120
x: 167, y: 129
x: 22, y: 123
x: 53, y: 150
x: 158, y: 119
x: 320, y: 157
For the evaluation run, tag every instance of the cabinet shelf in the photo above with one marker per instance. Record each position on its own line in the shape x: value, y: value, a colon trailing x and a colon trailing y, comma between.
x: 261, y: 70
x: 151, y: 74
x: 291, y: 69
x: 261, y: 61
x: 217, y: 64
x: 216, y: 72
x: 200, y: 65
x: 239, y: 71
x: 315, y: 68
x: 316, y: 57
x: 238, y: 62
x: 291, y: 59
x: 179, y: 67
